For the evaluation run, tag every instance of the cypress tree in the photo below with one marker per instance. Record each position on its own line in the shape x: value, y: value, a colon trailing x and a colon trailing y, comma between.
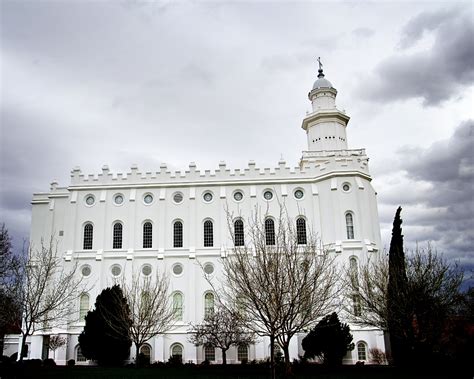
x: 398, y: 317
x: 105, y: 337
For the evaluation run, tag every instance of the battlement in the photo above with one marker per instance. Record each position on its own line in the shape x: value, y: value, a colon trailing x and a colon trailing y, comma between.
x: 327, y: 162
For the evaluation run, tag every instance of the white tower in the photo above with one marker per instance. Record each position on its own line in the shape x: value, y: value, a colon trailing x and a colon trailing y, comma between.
x: 326, y: 125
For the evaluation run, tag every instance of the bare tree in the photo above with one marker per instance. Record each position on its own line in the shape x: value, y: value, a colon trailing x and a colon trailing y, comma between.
x: 55, y: 342
x: 280, y: 277
x: 222, y: 329
x: 150, y: 308
x: 9, y: 285
x: 431, y: 296
x: 47, y: 292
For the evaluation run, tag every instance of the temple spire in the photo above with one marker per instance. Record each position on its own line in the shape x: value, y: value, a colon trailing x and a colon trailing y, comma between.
x: 320, y: 71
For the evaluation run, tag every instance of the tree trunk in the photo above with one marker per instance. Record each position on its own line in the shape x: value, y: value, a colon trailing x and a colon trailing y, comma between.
x: 272, y: 356
x: 23, y: 345
x: 224, y: 356
x: 137, y: 351
x: 286, y: 352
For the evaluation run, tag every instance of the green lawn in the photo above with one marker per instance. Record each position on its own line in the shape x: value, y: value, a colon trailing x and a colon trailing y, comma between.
x: 230, y: 372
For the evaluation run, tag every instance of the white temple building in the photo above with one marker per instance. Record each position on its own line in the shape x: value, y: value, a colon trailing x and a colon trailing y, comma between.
x: 114, y: 224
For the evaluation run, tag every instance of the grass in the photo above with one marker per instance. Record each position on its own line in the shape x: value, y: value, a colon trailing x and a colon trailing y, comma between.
x: 229, y: 372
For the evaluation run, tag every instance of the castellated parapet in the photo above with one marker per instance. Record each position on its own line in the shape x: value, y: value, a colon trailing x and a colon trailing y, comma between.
x: 313, y: 165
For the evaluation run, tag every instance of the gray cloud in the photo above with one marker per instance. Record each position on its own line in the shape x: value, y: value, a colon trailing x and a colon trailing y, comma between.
x: 363, y: 32
x: 434, y: 75
x: 436, y: 190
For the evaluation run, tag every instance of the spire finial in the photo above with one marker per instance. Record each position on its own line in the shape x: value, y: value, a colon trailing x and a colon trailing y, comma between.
x: 320, y: 71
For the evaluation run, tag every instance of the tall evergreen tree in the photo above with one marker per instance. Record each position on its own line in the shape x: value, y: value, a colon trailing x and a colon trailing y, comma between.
x: 397, y: 294
x: 106, y: 338
x: 329, y: 340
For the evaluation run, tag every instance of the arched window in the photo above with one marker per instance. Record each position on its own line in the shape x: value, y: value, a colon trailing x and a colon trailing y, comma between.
x: 146, y: 351
x: 178, y: 234
x: 208, y: 304
x: 147, y: 235
x: 88, y: 236
x: 269, y: 232
x: 208, y: 234
x: 349, y: 226
x: 79, y: 356
x: 209, y: 353
x: 243, y: 353
x: 239, y: 233
x: 178, y: 306
x: 354, y: 272
x: 83, y: 306
x: 301, y: 231
x: 117, y: 237
x: 177, y: 351
x: 361, y: 351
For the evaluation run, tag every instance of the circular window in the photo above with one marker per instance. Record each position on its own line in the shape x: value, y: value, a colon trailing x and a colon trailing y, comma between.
x: 148, y: 198
x: 178, y: 269
x: 146, y: 270
x: 118, y: 199
x: 299, y: 194
x: 178, y: 197
x: 346, y: 187
x: 85, y: 270
x: 207, y: 197
x: 90, y: 200
x: 268, y: 195
x: 208, y: 268
x: 116, y: 270
x: 238, y: 196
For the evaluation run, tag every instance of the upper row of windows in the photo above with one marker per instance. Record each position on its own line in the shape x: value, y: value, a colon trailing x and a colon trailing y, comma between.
x: 207, y: 196
x: 208, y: 233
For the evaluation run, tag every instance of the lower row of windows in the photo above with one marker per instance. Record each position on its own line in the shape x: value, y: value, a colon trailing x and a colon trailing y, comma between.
x: 177, y: 352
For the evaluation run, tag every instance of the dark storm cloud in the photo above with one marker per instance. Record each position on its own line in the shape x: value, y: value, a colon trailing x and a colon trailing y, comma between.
x: 449, y: 167
x: 434, y: 75
x: 436, y: 191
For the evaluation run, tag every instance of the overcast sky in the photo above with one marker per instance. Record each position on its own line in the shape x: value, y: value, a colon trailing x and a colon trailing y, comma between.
x: 89, y: 83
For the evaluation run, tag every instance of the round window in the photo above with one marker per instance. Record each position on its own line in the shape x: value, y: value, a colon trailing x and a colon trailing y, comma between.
x: 116, y: 270
x: 148, y: 198
x: 268, y: 195
x: 178, y: 197
x: 146, y: 270
x: 208, y: 268
x: 118, y: 199
x: 90, y: 200
x: 238, y: 196
x: 207, y: 197
x: 346, y: 187
x: 178, y: 269
x: 299, y: 194
x: 85, y: 270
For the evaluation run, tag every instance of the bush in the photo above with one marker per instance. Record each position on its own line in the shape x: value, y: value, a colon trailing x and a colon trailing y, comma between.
x: 175, y: 360
x: 244, y: 361
x: 49, y: 362
x: 377, y: 356
x: 71, y: 362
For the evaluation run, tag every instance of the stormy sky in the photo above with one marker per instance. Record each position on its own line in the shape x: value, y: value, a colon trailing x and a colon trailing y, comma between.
x: 120, y: 82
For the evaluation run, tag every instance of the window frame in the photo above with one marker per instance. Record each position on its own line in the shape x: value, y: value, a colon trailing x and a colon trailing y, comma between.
x: 349, y: 222
x: 270, y: 237
x: 239, y: 239
x: 147, y: 235
x: 84, y: 236
x: 301, y: 234
x: 208, y: 233
x: 178, y: 235
x: 178, y: 308
x: 117, y: 235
